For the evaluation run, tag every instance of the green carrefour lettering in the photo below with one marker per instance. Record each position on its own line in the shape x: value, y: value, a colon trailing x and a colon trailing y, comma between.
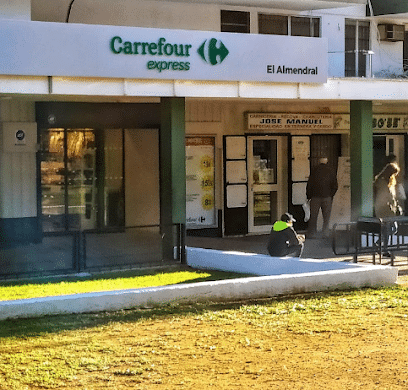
x: 144, y: 45
x: 159, y: 48
x: 115, y: 45
x: 187, y: 48
x: 168, y: 65
x: 152, y: 48
x: 127, y: 48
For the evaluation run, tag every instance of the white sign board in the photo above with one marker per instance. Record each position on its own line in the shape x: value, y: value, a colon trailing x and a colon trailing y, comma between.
x: 262, y: 121
x: 381, y: 122
x: 237, y: 195
x: 299, y: 193
x: 342, y: 200
x: 200, y: 202
x: 300, y: 159
x: 235, y: 171
x: 390, y: 122
x: 80, y: 50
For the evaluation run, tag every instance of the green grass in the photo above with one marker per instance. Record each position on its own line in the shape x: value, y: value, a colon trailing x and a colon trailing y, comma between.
x: 59, y: 351
x: 108, y: 282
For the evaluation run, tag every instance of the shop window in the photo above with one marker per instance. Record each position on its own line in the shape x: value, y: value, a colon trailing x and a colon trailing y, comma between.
x: 235, y: 21
x: 288, y: 25
x: 357, y: 44
x: 81, y: 179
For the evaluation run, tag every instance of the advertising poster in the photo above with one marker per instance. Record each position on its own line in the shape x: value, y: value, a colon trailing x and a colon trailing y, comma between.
x: 200, y: 202
x: 342, y: 200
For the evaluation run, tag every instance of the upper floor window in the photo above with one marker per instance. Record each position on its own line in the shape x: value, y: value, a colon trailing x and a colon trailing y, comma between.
x: 235, y: 21
x: 300, y: 26
x: 357, y: 45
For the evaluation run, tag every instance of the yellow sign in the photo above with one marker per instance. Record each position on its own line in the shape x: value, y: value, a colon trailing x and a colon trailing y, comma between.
x: 206, y: 163
x: 207, y: 202
x: 200, y: 182
x: 207, y: 183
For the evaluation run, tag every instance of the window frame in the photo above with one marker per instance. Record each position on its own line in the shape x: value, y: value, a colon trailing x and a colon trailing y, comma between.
x: 313, y: 21
x: 355, y: 55
x: 229, y: 26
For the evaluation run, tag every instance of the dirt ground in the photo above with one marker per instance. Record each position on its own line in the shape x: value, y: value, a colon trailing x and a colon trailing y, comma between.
x: 364, y: 348
x: 344, y: 342
x: 197, y: 356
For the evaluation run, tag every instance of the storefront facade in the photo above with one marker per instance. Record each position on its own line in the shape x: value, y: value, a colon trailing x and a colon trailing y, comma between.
x: 145, y: 118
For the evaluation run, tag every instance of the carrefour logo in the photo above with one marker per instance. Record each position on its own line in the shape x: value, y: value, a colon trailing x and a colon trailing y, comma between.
x: 213, y: 51
x: 166, y: 55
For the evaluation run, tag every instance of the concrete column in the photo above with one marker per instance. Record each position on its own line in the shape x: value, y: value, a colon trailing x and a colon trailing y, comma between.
x: 361, y: 158
x: 172, y: 169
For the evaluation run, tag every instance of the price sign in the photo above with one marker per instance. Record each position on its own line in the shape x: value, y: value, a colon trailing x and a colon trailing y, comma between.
x: 200, y: 188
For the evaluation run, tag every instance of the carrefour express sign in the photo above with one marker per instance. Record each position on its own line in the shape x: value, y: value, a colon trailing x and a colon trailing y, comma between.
x: 78, y: 50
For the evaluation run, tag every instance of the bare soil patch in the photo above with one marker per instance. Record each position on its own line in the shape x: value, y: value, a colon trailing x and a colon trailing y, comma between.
x: 355, y: 340
x: 192, y: 354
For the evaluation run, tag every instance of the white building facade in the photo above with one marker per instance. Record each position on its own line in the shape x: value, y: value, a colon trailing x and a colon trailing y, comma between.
x: 209, y: 114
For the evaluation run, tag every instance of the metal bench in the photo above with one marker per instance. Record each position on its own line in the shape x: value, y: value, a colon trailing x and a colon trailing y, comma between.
x: 370, y: 235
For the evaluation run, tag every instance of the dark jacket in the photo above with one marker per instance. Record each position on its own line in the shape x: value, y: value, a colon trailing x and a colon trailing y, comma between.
x: 322, y: 182
x: 282, y: 237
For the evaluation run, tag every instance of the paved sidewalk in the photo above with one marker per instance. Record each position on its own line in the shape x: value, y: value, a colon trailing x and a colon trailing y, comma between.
x: 314, y: 248
x: 320, y: 248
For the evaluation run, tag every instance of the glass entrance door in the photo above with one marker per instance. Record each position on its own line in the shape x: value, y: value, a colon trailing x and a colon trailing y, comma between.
x: 386, y: 145
x: 68, y: 179
x: 264, y: 183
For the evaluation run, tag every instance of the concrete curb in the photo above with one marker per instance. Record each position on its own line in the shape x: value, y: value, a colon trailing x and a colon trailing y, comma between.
x: 235, y: 289
x: 284, y: 276
x: 258, y: 264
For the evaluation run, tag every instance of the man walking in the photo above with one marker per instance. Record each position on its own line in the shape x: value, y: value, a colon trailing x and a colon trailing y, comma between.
x: 320, y: 190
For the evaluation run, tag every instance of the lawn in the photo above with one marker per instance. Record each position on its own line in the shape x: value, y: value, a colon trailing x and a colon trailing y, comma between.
x: 109, y: 282
x: 339, y: 340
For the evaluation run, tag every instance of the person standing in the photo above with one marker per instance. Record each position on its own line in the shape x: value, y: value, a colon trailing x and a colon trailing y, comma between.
x: 385, y: 200
x: 397, y: 185
x: 385, y: 192
x: 320, y: 190
x: 283, y: 239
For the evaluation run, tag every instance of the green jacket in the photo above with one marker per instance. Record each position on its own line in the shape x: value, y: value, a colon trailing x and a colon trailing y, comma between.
x: 281, y: 237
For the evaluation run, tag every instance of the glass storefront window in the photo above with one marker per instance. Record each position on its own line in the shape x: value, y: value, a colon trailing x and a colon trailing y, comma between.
x: 75, y: 193
x: 265, y: 163
x: 265, y: 208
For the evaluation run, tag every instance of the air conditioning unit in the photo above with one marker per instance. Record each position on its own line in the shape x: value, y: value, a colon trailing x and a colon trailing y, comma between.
x: 391, y: 32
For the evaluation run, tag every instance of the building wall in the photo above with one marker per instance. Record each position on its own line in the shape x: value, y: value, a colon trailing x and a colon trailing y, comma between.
x: 333, y: 27
x: 18, y: 189
x: 215, y: 117
x: 388, y: 56
x: 142, y: 194
x: 219, y: 118
x: 15, y: 9
x: 154, y: 14
x: 195, y: 16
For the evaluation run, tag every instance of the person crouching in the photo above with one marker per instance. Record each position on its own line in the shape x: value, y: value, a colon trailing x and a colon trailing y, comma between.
x: 283, y: 239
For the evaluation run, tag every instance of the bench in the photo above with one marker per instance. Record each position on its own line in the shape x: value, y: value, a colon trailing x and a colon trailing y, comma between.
x: 370, y: 235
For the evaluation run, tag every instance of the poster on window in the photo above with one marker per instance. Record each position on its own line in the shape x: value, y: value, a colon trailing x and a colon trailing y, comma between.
x: 200, y: 192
